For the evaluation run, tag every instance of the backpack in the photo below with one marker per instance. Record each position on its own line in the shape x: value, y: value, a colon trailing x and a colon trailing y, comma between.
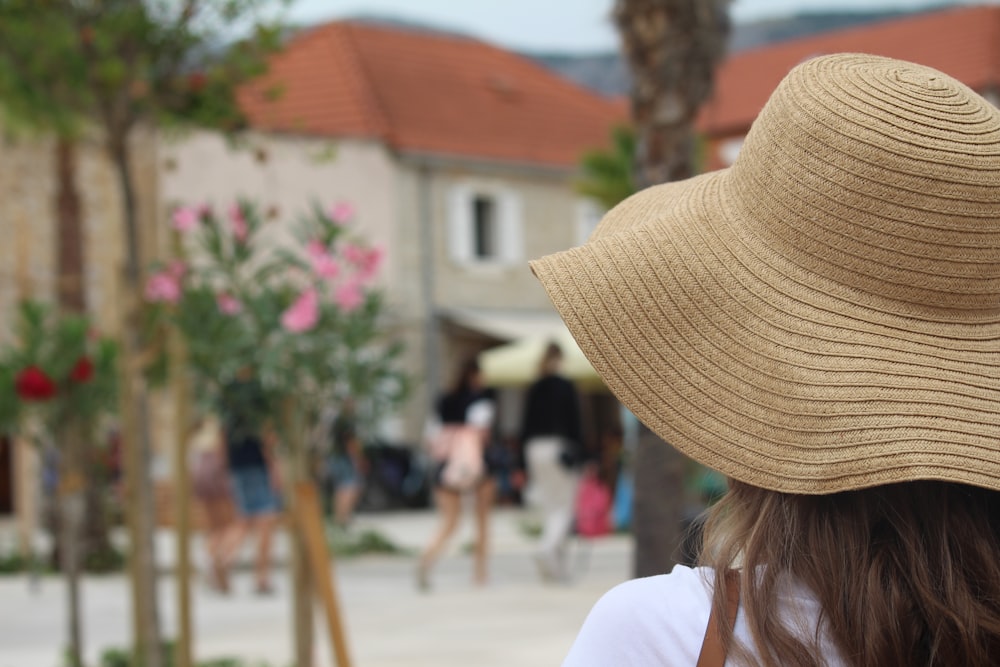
x: 593, y: 507
x: 463, y: 462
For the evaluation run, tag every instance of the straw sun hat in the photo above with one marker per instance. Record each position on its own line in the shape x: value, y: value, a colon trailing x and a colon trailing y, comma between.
x: 824, y: 315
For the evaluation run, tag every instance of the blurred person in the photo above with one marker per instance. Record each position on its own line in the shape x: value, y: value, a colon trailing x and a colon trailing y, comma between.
x: 553, y: 455
x: 346, y: 464
x: 820, y: 323
x: 210, y: 487
x: 468, y: 405
x: 253, y: 474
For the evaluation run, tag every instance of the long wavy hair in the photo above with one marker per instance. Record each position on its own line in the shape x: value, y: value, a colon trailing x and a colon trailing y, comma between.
x: 905, y: 574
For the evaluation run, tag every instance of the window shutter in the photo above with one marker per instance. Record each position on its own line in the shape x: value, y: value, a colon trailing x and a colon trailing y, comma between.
x: 588, y: 215
x: 460, y: 224
x: 511, y: 227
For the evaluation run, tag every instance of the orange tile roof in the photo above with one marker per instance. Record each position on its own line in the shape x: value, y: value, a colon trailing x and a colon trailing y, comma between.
x: 962, y: 42
x: 428, y: 93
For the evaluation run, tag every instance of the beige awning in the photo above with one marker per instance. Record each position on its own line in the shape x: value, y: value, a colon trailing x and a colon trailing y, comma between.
x: 516, y: 363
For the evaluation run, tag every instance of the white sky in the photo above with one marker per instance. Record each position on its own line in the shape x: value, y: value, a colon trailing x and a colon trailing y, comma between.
x: 555, y: 25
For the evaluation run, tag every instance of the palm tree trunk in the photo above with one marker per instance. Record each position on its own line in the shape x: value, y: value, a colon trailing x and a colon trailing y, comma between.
x: 672, y: 47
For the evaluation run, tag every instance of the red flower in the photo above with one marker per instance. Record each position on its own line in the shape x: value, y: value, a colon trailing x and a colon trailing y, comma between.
x: 82, y: 371
x: 197, y: 81
x: 32, y: 384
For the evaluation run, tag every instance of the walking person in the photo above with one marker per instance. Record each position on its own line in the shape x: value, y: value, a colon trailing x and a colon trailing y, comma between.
x: 820, y: 322
x: 553, y: 454
x: 346, y: 464
x: 462, y: 416
x: 211, y: 489
x: 254, y: 477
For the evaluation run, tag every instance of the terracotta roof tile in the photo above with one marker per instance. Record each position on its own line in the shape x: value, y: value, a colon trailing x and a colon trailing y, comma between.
x: 962, y: 42
x: 429, y: 93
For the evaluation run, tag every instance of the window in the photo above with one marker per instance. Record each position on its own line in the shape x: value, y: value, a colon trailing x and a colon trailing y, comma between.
x: 484, y: 228
x: 484, y: 224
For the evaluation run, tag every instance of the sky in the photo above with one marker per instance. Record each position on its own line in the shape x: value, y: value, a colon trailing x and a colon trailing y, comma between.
x: 556, y: 25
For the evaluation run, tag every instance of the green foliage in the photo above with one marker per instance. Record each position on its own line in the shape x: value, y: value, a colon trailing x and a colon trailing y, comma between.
x: 346, y: 544
x: 117, y: 657
x: 66, y: 62
x: 607, y: 175
x: 80, y: 365
x: 231, y: 289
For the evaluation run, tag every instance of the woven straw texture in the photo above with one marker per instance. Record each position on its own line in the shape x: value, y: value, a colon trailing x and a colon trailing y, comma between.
x: 824, y: 315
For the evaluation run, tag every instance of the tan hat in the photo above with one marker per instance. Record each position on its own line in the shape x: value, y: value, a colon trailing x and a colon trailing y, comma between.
x: 824, y: 315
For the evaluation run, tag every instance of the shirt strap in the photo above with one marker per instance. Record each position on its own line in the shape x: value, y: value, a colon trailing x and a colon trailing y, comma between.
x: 713, y: 653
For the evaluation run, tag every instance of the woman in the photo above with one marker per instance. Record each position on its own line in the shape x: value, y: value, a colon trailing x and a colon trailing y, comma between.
x: 468, y: 405
x: 210, y: 487
x: 346, y: 464
x: 552, y: 438
x: 251, y: 461
x: 820, y: 323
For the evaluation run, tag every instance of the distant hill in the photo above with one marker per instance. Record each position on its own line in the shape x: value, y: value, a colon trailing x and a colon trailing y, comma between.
x: 607, y: 74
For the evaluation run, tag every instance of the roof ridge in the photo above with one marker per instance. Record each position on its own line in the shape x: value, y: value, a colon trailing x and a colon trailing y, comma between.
x: 861, y: 28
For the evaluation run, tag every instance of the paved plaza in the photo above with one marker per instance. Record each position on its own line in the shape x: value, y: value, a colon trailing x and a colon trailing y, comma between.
x: 515, y: 620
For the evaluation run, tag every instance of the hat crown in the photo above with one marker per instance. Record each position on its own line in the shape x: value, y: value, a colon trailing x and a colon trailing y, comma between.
x: 881, y: 176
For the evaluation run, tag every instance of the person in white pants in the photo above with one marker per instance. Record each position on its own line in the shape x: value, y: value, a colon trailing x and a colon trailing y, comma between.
x: 552, y: 438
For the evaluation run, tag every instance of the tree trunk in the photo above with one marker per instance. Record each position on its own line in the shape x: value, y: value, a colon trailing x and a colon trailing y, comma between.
x: 95, y: 540
x: 658, y: 505
x: 135, y: 438
x: 69, y: 237
x: 70, y: 497
x: 672, y: 48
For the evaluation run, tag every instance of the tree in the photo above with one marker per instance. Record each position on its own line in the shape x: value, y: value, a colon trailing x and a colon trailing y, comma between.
x: 673, y: 48
x: 56, y: 381
x: 303, y: 317
x: 118, y: 66
x: 606, y: 176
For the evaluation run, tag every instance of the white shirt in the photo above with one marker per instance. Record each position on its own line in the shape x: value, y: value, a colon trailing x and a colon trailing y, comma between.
x: 660, y: 621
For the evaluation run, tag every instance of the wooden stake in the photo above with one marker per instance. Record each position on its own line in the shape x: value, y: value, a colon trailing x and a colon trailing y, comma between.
x: 182, y: 497
x: 309, y: 522
x: 296, y: 469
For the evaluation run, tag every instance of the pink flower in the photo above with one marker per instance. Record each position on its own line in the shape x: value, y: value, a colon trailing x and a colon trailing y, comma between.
x: 370, y: 264
x: 163, y: 287
x: 177, y: 269
x: 354, y: 254
x: 348, y: 296
x: 186, y: 218
x: 239, y: 223
x: 303, y: 314
x: 342, y: 212
x: 323, y: 264
x: 228, y: 304
x: 365, y: 260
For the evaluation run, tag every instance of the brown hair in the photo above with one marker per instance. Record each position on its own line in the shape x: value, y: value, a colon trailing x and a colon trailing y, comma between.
x: 466, y: 375
x: 906, y: 574
x: 550, y: 358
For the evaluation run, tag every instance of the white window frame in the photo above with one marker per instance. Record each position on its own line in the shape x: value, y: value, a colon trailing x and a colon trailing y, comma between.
x: 508, y: 221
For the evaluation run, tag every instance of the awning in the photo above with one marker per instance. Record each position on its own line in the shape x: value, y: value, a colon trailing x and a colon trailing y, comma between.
x: 515, y: 363
x: 507, y: 324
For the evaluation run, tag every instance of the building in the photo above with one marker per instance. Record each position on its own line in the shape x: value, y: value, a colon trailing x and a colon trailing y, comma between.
x: 962, y: 42
x: 458, y: 156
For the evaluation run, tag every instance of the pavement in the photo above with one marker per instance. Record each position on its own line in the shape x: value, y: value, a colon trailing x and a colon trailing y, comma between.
x: 514, y: 620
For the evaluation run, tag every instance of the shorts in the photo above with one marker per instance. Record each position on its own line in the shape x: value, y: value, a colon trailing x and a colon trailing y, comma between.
x: 253, y: 492
x: 343, y: 472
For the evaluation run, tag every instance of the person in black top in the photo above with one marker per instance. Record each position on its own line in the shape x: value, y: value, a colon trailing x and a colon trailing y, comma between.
x: 553, y: 451
x: 468, y: 404
x: 252, y: 474
x: 346, y: 463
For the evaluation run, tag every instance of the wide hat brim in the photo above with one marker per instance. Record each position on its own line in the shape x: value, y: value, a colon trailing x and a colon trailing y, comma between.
x: 766, y: 371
